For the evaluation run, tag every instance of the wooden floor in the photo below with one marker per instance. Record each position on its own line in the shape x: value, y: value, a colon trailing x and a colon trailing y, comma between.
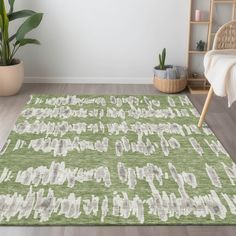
x: 220, y: 119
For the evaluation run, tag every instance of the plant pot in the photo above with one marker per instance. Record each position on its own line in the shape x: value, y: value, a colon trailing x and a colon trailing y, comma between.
x: 170, y: 86
x: 171, y: 80
x: 11, y: 78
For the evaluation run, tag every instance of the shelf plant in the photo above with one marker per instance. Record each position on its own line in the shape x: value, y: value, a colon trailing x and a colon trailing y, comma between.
x: 201, y: 45
x: 10, y: 67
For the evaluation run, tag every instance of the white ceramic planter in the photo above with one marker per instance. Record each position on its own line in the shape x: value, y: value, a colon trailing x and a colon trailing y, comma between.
x: 11, y: 78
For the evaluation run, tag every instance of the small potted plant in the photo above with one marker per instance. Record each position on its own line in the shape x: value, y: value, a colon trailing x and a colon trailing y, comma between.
x: 201, y: 45
x: 168, y: 78
x: 11, y: 68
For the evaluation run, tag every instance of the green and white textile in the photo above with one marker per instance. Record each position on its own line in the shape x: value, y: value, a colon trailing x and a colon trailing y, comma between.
x: 114, y: 160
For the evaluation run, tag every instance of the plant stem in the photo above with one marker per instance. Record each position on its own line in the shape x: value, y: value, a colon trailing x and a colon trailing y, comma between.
x: 15, y: 49
x: 4, y: 57
x: 5, y: 53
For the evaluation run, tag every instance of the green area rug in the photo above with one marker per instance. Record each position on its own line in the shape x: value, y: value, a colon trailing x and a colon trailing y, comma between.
x: 114, y: 160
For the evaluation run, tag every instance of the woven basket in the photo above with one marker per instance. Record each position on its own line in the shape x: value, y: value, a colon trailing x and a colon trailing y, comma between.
x: 170, y: 86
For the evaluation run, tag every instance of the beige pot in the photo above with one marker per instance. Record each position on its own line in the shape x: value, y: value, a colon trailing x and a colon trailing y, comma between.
x: 170, y: 86
x: 11, y: 78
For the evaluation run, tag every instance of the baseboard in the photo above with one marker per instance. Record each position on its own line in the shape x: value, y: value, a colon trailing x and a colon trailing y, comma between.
x: 89, y: 80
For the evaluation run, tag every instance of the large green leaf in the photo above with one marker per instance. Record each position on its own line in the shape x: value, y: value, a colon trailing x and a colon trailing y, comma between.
x: 20, y: 14
x: 24, y: 42
x: 11, y: 3
x: 31, y: 23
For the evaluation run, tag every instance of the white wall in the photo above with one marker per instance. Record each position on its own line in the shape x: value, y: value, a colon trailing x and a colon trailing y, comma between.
x: 93, y: 39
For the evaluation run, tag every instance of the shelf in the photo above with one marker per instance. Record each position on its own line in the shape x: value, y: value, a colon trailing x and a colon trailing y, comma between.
x: 198, y: 89
x: 199, y: 22
x: 197, y: 52
x: 223, y: 2
x: 197, y: 79
x: 200, y: 85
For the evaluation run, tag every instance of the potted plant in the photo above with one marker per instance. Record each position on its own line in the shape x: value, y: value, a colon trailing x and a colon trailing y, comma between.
x: 201, y: 45
x: 11, y: 68
x: 168, y: 78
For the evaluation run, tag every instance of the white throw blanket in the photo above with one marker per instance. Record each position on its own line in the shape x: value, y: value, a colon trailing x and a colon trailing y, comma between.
x: 220, y: 71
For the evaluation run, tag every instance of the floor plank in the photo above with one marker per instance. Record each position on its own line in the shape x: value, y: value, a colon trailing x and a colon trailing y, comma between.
x: 220, y: 119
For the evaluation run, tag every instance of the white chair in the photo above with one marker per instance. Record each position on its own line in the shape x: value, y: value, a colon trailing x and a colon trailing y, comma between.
x: 225, y: 39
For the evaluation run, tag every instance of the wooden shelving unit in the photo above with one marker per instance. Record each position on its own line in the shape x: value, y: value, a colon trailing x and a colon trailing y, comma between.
x: 199, y: 85
x: 197, y: 52
x: 199, y: 22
